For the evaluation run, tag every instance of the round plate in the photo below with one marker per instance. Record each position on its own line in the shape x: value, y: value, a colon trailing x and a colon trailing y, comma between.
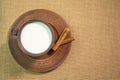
x: 49, y: 60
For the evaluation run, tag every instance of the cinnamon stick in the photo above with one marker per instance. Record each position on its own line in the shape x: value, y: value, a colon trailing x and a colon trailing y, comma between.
x: 61, y: 38
x: 67, y: 40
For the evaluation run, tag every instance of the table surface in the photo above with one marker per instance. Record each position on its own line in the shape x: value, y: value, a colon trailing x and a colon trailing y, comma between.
x: 95, y: 53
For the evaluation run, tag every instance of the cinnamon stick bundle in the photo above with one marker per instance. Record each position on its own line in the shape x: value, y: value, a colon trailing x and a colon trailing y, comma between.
x: 61, y: 39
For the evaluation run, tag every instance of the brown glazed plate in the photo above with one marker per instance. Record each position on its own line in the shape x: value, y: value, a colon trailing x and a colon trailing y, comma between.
x: 49, y: 59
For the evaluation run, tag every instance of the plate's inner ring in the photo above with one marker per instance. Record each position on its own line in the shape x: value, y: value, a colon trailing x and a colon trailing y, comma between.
x: 48, y: 61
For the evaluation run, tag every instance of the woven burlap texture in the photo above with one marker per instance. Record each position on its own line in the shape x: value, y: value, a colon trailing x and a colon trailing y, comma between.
x: 95, y: 53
